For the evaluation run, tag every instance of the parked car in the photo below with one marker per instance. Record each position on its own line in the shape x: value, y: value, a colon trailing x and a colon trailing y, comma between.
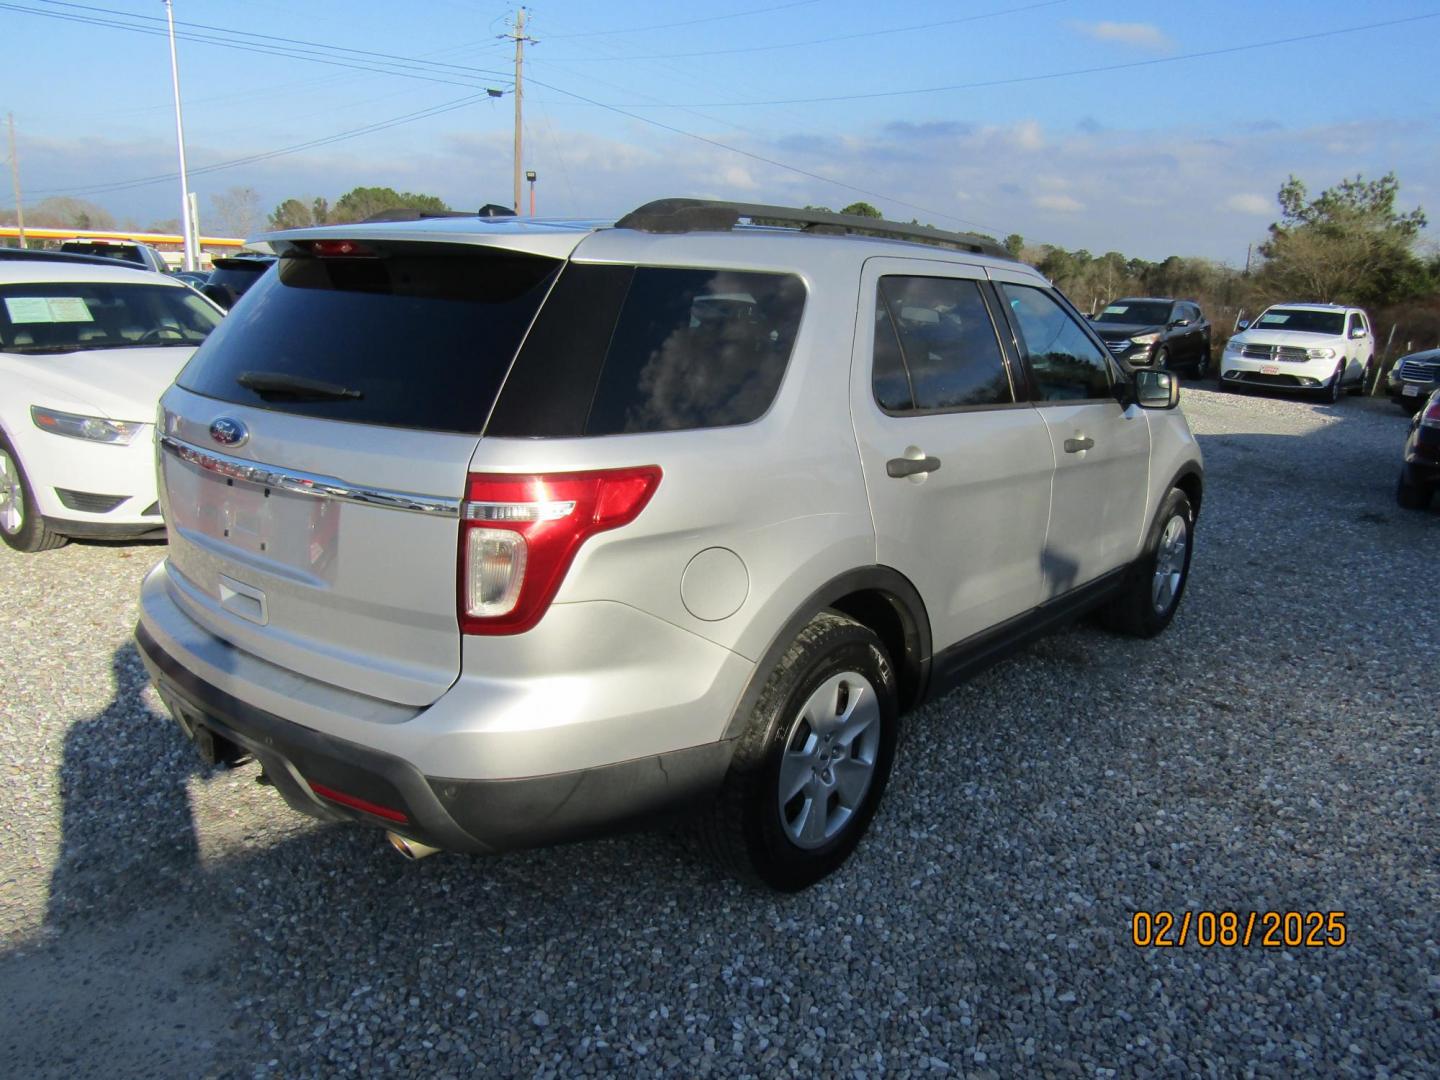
x: 196, y: 279
x: 1324, y: 348
x: 1413, y: 379
x: 1420, y: 472
x: 1156, y: 332
x: 233, y: 276
x: 495, y: 533
x: 85, y: 351
x: 128, y: 251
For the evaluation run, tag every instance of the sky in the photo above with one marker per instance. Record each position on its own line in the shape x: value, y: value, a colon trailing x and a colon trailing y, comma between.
x: 1152, y: 129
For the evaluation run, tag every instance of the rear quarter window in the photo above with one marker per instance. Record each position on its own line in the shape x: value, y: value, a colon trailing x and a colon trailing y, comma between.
x: 623, y: 349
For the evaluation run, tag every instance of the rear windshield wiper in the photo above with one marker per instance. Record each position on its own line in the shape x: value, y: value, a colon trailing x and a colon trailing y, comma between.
x: 295, y: 387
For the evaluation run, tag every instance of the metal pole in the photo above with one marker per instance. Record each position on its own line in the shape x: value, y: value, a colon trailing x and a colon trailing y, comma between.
x: 185, y: 217
x: 519, y: 94
x: 15, y: 177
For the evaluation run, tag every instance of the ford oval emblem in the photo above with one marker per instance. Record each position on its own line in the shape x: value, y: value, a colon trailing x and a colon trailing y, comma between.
x: 228, y: 432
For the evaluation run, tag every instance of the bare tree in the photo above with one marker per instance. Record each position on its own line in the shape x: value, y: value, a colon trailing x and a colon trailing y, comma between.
x: 237, y: 211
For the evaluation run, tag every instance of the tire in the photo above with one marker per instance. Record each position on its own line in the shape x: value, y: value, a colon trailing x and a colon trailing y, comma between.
x: 834, y: 670
x: 1146, y: 605
x: 1332, y: 389
x: 1364, y: 383
x: 1162, y: 359
x: 1413, y: 496
x: 21, y: 526
x: 1201, y: 367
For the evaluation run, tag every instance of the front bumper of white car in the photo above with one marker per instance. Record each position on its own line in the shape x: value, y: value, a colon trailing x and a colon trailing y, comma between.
x: 94, y: 489
x: 1314, y: 373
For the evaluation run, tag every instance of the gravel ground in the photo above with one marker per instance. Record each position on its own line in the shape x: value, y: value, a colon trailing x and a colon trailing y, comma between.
x: 1276, y: 749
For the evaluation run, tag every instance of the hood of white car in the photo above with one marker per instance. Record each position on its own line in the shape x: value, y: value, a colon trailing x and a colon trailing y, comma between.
x: 1290, y: 337
x: 122, y: 384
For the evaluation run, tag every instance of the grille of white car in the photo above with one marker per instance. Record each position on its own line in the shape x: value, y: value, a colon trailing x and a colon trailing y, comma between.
x: 1292, y: 353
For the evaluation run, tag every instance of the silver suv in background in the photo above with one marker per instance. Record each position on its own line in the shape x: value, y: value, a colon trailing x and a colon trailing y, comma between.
x: 495, y: 533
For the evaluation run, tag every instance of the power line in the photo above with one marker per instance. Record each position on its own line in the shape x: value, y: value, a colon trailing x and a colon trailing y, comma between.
x: 252, y: 159
x: 264, y: 37
x: 1012, y: 80
x: 687, y: 22
x: 816, y: 41
x: 762, y: 158
x: 410, y: 73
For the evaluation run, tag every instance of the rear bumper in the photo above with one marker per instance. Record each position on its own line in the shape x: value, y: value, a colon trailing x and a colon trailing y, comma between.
x: 309, y: 768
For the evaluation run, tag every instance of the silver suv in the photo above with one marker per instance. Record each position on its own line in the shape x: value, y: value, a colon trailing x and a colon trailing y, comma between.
x: 495, y: 533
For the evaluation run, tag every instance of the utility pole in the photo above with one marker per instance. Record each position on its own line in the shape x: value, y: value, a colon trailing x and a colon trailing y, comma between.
x: 520, y: 39
x: 191, y: 247
x: 15, y: 177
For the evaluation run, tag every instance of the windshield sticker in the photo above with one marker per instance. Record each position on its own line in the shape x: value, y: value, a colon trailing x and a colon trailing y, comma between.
x: 1115, y: 309
x: 1274, y: 320
x: 40, y: 309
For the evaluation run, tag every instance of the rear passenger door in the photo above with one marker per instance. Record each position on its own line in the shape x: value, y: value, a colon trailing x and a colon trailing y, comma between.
x: 1102, y: 452
x: 957, y: 468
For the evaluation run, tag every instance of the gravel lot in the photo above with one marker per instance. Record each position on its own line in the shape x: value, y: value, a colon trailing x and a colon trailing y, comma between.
x: 1277, y: 749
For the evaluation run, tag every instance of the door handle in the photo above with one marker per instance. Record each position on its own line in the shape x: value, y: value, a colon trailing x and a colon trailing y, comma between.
x: 1075, y: 446
x: 904, y: 466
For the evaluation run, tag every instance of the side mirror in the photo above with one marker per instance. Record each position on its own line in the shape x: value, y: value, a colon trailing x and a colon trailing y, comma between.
x: 1157, y: 390
x: 1181, y: 322
x: 1357, y: 332
x: 1242, y: 324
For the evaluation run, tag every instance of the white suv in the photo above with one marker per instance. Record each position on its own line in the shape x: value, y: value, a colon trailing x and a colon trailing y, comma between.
x: 1319, y: 347
x: 495, y: 532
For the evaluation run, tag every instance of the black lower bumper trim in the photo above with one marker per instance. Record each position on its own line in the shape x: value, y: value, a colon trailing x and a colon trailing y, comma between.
x: 452, y: 814
x: 104, y: 530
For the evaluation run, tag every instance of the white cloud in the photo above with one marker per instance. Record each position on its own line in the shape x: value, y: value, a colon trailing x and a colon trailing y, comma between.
x: 1028, y: 135
x: 1140, y: 35
x: 1248, y: 203
x: 1064, y: 204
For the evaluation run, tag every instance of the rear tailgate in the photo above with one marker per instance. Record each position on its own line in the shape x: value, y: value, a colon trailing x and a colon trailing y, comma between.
x: 317, y: 528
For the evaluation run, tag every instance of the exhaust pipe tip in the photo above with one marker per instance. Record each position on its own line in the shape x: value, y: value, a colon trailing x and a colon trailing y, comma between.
x: 411, y: 849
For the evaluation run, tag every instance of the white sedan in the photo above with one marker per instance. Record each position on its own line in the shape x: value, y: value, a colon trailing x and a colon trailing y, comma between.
x: 85, y: 352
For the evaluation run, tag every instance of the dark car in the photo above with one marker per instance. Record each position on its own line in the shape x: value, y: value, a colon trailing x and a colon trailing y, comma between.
x: 233, y: 275
x: 1420, y: 472
x: 194, y: 278
x: 1413, y: 379
x: 1147, y: 331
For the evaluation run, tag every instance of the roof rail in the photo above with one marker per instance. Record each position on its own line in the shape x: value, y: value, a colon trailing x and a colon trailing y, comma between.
x: 707, y: 215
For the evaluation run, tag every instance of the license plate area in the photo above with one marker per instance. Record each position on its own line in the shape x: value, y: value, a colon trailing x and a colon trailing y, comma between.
x: 1410, y: 390
x: 1269, y: 369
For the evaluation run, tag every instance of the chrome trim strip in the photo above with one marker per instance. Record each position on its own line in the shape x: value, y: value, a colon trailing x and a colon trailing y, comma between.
x: 303, y: 483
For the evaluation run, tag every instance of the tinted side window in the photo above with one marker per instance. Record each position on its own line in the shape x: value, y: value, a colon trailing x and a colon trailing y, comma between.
x: 1066, y: 364
x: 946, y: 342
x: 624, y: 349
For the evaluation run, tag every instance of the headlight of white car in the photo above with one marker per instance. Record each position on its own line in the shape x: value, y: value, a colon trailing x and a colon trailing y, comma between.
x: 92, y: 428
x: 1234, y: 346
x: 1144, y: 339
x: 1320, y: 354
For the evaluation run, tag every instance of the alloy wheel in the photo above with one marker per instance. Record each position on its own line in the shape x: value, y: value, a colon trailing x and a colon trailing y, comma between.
x: 1170, y: 564
x: 12, y: 495
x: 829, y: 760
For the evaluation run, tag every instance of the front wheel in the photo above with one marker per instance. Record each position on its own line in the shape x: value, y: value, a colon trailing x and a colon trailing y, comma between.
x: 813, y: 761
x: 1413, y: 496
x: 1332, y: 389
x: 1162, y: 359
x: 1151, y: 596
x: 21, y: 526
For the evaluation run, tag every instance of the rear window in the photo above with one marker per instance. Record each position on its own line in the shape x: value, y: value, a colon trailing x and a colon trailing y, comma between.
x: 624, y: 349
x: 123, y: 252
x: 423, y: 338
x: 238, y: 275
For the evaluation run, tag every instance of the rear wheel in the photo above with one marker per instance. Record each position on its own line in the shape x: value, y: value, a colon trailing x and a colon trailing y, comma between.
x: 1332, y: 389
x: 1366, y: 374
x: 1150, y: 598
x: 21, y: 526
x: 1202, y: 363
x: 1413, y: 496
x: 813, y: 761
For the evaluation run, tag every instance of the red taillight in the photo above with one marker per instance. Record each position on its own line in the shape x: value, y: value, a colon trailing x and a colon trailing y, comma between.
x: 356, y: 803
x: 337, y: 249
x: 519, y: 535
x: 1432, y: 416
